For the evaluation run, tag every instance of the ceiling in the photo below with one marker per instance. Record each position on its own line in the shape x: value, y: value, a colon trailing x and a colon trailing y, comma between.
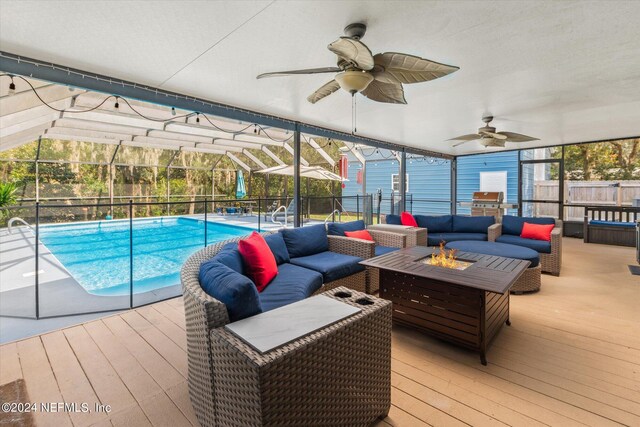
x: 560, y: 71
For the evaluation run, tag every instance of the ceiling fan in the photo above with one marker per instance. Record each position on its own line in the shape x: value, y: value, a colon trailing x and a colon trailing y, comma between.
x: 378, y: 77
x: 490, y: 138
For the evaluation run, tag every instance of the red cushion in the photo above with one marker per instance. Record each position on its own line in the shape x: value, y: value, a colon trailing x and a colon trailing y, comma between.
x: 360, y: 234
x: 258, y: 259
x: 537, y: 231
x: 407, y: 219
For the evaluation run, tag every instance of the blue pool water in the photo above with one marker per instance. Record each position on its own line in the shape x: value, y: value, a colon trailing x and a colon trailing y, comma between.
x: 97, y: 254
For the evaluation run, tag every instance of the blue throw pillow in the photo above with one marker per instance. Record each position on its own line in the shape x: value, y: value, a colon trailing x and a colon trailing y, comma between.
x: 230, y: 256
x: 513, y: 224
x: 237, y: 292
x: 472, y: 224
x: 338, y: 229
x: 393, y: 219
x: 435, y: 224
x: 305, y: 241
x: 278, y: 247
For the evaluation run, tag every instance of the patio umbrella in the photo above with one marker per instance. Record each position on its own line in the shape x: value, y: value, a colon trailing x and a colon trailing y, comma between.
x: 314, y: 172
x: 240, y: 188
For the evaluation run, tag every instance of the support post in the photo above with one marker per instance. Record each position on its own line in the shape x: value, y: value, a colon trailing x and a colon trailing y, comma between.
x: 454, y: 186
x: 403, y: 182
x: 37, y: 260
x: 296, y: 177
x: 38, y: 170
x: 130, y: 253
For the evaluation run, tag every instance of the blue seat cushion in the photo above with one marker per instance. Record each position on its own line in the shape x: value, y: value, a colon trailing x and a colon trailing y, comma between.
x: 305, y: 241
x: 278, y: 247
x: 381, y: 250
x: 230, y: 256
x: 292, y: 284
x: 497, y: 249
x: 513, y: 224
x: 237, y: 292
x: 435, y: 224
x: 338, y: 228
x: 612, y: 223
x: 393, y: 220
x: 331, y: 265
x: 537, y: 245
x: 472, y: 224
x: 436, y: 238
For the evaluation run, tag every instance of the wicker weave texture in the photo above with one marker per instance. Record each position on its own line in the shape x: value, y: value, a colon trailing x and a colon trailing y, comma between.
x: 530, y: 281
x: 416, y: 236
x: 337, y: 376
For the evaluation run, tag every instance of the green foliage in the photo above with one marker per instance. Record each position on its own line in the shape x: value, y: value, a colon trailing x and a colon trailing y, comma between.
x: 8, y: 197
x: 616, y: 160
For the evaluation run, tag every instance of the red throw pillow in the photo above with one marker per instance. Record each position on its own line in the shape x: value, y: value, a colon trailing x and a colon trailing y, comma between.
x: 407, y: 219
x: 537, y: 231
x: 258, y: 259
x: 360, y: 234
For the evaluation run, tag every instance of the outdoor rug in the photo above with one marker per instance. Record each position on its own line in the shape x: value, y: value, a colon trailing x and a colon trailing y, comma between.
x: 15, y: 392
x: 635, y: 270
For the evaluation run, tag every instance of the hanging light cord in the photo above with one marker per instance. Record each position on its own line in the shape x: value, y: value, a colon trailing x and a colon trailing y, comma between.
x: 117, y: 98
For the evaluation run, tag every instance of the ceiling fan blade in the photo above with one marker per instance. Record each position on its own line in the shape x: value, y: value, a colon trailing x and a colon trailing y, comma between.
x: 324, y: 91
x: 469, y: 137
x: 353, y: 51
x: 493, y: 135
x: 460, y: 143
x: 393, y: 67
x: 385, y: 92
x: 516, y: 137
x: 307, y: 71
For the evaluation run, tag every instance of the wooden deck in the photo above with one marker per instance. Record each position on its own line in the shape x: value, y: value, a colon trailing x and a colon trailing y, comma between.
x: 571, y: 357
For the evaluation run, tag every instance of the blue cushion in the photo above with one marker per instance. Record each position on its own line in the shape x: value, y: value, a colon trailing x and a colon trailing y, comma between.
x: 393, y: 220
x: 381, y: 250
x: 497, y: 249
x: 237, y: 292
x: 436, y: 238
x: 278, y: 247
x: 612, y: 223
x: 537, y: 245
x: 472, y: 224
x: 435, y: 224
x: 305, y: 241
x: 332, y: 265
x: 230, y: 256
x: 338, y: 229
x: 513, y: 224
x: 292, y: 284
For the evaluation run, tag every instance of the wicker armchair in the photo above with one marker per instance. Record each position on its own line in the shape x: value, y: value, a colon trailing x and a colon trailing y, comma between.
x: 365, y: 249
x: 416, y: 236
x: 211, y: 376
x: 551, y: 262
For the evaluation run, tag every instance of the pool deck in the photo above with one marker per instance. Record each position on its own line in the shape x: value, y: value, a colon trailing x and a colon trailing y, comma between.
x: 570, y: 358
x: 62, y: 298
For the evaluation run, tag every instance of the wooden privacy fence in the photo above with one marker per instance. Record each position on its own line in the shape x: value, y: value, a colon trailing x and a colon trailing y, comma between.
x: 600, y: 193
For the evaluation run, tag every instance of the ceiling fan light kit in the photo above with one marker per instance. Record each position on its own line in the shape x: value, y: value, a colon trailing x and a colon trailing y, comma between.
x: 354, y: 81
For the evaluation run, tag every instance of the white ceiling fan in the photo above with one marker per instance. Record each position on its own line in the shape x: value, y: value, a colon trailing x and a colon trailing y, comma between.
x: 490, y: 138
x: 379, y: 78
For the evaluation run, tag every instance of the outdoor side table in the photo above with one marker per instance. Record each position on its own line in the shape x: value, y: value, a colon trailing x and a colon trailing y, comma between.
x: 338, y: 375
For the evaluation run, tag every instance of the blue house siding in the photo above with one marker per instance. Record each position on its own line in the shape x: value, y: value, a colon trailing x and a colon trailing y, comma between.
x: 469, y: 168
x: 428, y: 183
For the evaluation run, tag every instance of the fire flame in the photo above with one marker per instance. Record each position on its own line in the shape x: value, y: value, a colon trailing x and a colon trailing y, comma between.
x: 445, y: 258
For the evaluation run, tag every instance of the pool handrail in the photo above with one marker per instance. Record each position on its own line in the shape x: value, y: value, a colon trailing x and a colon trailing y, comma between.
x: 17, y: 219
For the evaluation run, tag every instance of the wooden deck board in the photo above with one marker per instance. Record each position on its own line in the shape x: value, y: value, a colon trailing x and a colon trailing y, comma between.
x: 570, y: 358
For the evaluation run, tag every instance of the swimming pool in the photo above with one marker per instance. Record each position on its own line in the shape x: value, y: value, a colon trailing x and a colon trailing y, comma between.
x: 97, y: 253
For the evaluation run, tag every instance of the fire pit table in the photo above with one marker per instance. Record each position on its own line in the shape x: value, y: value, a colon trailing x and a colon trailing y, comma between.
x: 466, y: 305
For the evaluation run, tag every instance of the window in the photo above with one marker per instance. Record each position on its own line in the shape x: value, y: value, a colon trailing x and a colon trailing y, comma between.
x: 395, y: 183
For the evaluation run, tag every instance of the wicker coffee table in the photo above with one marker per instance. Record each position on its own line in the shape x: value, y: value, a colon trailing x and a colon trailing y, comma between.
x: 337, y: 375
x: 467, y: 307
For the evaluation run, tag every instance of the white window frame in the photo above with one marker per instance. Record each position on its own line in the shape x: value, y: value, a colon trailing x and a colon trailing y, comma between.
x: 394, y: 178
